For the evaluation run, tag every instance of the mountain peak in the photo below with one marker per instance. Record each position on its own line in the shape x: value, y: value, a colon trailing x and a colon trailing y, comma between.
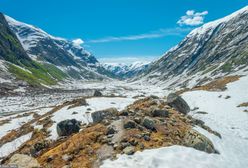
x: 213, y: 24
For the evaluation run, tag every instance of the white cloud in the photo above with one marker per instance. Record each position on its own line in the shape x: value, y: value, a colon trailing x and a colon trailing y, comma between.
x: 78, y: 42
x: 153, y: 34
x: 192, y: 18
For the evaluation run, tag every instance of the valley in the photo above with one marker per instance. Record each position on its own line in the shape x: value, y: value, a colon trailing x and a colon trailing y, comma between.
x: 60, y: 107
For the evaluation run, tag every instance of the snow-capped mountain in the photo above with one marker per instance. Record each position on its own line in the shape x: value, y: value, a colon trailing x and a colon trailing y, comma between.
x: 123, y: 71
x: 215, y: 49
x: 67, y: 56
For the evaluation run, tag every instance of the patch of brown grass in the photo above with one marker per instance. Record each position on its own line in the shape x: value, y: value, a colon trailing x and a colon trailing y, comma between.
x: 218, y: 84
x: 81, y: 146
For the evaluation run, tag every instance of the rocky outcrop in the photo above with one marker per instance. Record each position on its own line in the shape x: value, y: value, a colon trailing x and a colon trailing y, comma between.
x: 24, y: 161
x: 98, y: 116
x: 178, y: 103
x: 68, y: 127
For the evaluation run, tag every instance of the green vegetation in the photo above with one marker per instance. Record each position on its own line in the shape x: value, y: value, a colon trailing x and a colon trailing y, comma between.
x: 40, y: 74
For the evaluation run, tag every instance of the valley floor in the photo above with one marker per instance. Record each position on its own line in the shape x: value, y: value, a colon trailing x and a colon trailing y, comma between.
x: 218, y: 109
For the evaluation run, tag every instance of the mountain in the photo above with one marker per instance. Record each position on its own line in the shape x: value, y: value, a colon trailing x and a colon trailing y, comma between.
x: 124, y: 71
x: 216, y: 49
x: 14, y: 60
x: 58, y: 58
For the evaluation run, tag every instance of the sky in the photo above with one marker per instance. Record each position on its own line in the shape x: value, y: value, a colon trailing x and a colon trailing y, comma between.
x: 120, y: 30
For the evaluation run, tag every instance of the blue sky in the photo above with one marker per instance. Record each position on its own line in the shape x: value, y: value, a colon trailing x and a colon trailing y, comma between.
x: 120, y: 30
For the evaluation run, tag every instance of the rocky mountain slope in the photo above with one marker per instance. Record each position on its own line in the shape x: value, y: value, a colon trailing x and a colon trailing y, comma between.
x: 124, y: 71
x: 215, y: 49
x: 16, y: 66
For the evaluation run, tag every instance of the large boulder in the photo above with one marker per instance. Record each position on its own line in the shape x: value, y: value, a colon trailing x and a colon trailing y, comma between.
x: 178, y: 103
x: 23, y: 161
x: 68, y: 127
x: 98, y: 116
x: 198, y: 141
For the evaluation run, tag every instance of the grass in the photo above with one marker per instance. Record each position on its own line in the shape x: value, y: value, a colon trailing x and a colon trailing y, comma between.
x: 40, y: 74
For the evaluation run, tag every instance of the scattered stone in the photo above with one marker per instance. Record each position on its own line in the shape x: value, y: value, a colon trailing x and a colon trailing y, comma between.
x: 178, y: 103
x: 146, y: 138
x: 123, y: 113
x: 23, y: 161
x: 246, y: 111
x: 160, y: 113
x: 195, y: 108
x: 111, y: 130
x: 201, y: 112
x: 97, y: 93
x: 148, y: 123
x: 137, y: 120
x: 227, y: 97
x: 98, y: 116
x: 142, y: 146
x: 67, y: 157
x: 74, y: 112
x: 198, y: 141
x: 68, y: 127
x: 129, y: 124
x: 129, y: 150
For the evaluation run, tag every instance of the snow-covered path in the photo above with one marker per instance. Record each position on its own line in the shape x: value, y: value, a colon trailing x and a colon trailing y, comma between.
x: 223, y: 116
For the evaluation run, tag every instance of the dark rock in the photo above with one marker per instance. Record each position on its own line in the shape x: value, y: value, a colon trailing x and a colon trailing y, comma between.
x: 123, y: 113
x: 160, y: 113
x: 111, y: 130
x: 129, y: 124
x: 97, y: 93
x: 146, y: 138
x: 68, y: 127
x: 178, y: 103
x: 98, y: 116
x: 74, y: 112
x: 149, y: 123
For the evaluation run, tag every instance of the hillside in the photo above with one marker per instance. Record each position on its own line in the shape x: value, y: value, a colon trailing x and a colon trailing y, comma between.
x: 216, y: 49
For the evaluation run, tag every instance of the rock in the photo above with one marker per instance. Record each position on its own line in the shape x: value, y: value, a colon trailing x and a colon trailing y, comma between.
x: 67, y: 157
x: 178, y: 103
x: 148, y: 123
x: 137, y: 120
x: 23, y: 161
x: 97, y: 93
x: 198, y: 141
x: 129, y: 124
x: 111, y: 130
x: 123, y: 113
x: 160, y: 113
x: 129, y: 150
x: 98, y: 116
x: 74, y: 112
x: 146, y: 138
x: 68, y: 127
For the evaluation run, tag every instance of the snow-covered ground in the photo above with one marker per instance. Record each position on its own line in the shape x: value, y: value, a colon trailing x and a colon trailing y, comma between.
x: 223, y: 116
x: 16, y: 122
x: 12, y: 146
x: 83, y: 113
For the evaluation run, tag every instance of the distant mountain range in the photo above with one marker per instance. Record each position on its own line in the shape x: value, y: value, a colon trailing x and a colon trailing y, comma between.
x: 124, y: 71
x: 28, y: 55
